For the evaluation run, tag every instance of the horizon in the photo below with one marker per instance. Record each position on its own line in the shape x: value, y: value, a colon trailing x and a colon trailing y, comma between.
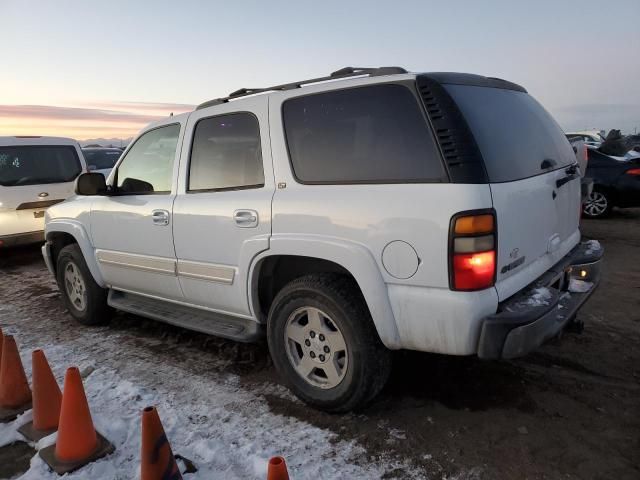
x: 95, y: 85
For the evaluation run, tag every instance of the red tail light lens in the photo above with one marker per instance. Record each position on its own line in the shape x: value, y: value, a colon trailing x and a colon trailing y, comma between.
x: 474, y: 271
x: 633, y: 171
x: 473, y: 251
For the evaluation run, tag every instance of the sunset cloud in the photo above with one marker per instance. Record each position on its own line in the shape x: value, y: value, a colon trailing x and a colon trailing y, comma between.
x: 106, y: 119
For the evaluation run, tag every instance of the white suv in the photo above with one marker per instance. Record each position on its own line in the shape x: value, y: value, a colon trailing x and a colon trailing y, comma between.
x: 35, y: 173
x: 347, y: 216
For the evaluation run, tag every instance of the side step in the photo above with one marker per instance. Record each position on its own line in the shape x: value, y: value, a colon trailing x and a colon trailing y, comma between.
x: 218, y: 324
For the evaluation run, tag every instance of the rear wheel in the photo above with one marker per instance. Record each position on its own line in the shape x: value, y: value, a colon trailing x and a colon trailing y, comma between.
x: 324, y: 344
x: 598, y: 205
x: 83, y: 297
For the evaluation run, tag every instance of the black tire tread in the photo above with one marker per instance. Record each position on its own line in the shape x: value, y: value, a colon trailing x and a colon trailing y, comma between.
x: 97, y: 311
x: 343, y: 291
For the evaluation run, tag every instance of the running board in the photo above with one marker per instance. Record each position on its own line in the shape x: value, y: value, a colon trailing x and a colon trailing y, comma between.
x: 205, y: 321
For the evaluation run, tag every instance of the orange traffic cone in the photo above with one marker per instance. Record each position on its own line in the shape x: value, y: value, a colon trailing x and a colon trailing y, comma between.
x: 277, y: 469
x: 46, y: 400
x: 78, y: 442
x: 158, y: 462
x: 15, y: 395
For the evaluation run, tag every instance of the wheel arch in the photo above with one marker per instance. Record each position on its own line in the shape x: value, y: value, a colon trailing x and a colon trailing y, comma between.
x: 60, y: 234
x: 292, y: 257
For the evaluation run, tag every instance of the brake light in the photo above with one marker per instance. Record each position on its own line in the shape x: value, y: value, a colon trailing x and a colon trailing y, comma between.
x: 473, y: 251
x: 633, y: 171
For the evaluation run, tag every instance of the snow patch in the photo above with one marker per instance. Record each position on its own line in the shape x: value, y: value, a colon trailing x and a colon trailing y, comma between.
x: 592, y: 247
x: 579, y: 286
x: 539, y: 298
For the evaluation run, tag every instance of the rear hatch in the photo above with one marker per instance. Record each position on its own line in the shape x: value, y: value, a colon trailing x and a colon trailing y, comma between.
x: 32, y: 178
x: 533, y: 176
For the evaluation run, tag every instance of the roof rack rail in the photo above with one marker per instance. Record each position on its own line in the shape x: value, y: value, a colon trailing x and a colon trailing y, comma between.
x: 345, y: 72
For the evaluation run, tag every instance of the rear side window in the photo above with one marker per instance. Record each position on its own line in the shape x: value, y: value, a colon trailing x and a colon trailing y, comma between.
x: 374, y: 134
x: 517, y: 137
x: 148, y: 165
x: 226, y: 154
x: 34, y: 165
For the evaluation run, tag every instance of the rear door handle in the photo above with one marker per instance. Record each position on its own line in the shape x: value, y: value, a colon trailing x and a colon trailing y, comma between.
x: 246, y: 218
x: 160, y: 217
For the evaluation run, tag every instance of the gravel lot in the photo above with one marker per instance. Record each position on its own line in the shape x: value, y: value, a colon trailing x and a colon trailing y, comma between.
x: 571, y: 410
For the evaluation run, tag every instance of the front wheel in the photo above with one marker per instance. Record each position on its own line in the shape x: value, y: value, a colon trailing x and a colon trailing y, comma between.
x: 598, y: 205
x: 324, y: 344
x: 83, y: 297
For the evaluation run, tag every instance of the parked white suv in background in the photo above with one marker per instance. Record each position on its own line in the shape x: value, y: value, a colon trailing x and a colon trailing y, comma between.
x: 35, y: 173
x: 346, y: 216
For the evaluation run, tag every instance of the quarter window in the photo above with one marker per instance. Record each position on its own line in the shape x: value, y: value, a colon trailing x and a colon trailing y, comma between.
x: 148, y: 165
x: 226, y: 153
x: 374, y: 134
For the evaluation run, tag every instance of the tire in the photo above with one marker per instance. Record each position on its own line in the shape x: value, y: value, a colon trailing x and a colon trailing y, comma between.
x: 83, y: 297
x: 351, y: 373
x: 598, y: 204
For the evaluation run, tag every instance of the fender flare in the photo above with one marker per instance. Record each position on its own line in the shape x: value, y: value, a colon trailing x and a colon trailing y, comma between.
x: 354, y: 258
x: 77, y: 231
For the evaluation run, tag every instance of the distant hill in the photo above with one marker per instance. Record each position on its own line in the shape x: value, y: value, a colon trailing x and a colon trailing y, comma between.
x: 106, y: 142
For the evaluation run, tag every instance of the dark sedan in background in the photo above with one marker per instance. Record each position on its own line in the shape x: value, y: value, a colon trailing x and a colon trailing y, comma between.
x: 101, y: 159
x: 616, y: 183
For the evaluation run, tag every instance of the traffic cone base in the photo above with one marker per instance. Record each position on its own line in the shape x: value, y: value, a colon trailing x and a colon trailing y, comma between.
x: 10, y: 414
x: 48, y: 454
x: 31, y: 433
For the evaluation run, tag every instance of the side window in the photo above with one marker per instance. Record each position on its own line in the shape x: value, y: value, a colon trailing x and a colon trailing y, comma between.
x: 374, y: 134
x: 148, y: 165
x: 226, y: 154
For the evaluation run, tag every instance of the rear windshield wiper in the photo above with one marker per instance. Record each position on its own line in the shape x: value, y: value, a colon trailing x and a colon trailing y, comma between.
x: 548, y: 163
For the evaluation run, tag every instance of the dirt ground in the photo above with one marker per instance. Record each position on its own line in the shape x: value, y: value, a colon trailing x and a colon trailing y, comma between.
x: 570, y: 410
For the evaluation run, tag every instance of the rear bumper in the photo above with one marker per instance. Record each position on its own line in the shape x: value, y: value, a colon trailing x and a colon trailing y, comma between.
x: 21, y: 239
x: 541, y: 310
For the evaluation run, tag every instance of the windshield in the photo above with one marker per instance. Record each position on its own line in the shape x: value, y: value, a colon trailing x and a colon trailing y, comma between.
x: 517, y: 137
x: 101, y: 159
x: 33, y: 165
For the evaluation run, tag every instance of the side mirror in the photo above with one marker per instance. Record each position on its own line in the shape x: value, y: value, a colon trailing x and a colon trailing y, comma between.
x: 91, y: 184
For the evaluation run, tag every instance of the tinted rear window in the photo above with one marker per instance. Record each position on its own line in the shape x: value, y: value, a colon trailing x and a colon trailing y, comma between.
x: 34, y: 165
x: 101, y: 159
x: 374, y: 134
x: 226, y: 153
x: 514, y: 132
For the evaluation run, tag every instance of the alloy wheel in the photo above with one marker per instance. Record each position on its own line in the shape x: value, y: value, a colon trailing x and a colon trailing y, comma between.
x: 316, y: 347
x: 75, y: 286
x: 596, y: 204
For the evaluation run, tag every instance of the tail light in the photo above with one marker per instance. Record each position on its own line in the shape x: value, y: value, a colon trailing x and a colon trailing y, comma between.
x: 472, y: 251
x: 633, y: 171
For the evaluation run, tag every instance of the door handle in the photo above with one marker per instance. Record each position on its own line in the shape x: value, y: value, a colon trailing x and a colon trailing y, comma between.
x: 246, y: 218
x: 160, y: 217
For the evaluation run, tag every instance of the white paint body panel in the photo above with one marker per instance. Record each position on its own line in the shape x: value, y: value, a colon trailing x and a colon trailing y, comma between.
x: 534, y: 225
x: 14, y: 221
x: 204, y: 230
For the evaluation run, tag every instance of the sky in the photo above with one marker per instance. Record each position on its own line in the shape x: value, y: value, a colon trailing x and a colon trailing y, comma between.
x: 94, y: 68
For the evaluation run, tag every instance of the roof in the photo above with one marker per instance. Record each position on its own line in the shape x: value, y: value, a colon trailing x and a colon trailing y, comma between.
x: 451, y: 78
x: 343, y: 73
x: 36, y: 140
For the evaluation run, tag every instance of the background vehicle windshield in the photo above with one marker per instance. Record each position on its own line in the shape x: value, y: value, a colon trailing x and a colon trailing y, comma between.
x: 514, y: 132
x: 101, y: 159
x: 33, y: 165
